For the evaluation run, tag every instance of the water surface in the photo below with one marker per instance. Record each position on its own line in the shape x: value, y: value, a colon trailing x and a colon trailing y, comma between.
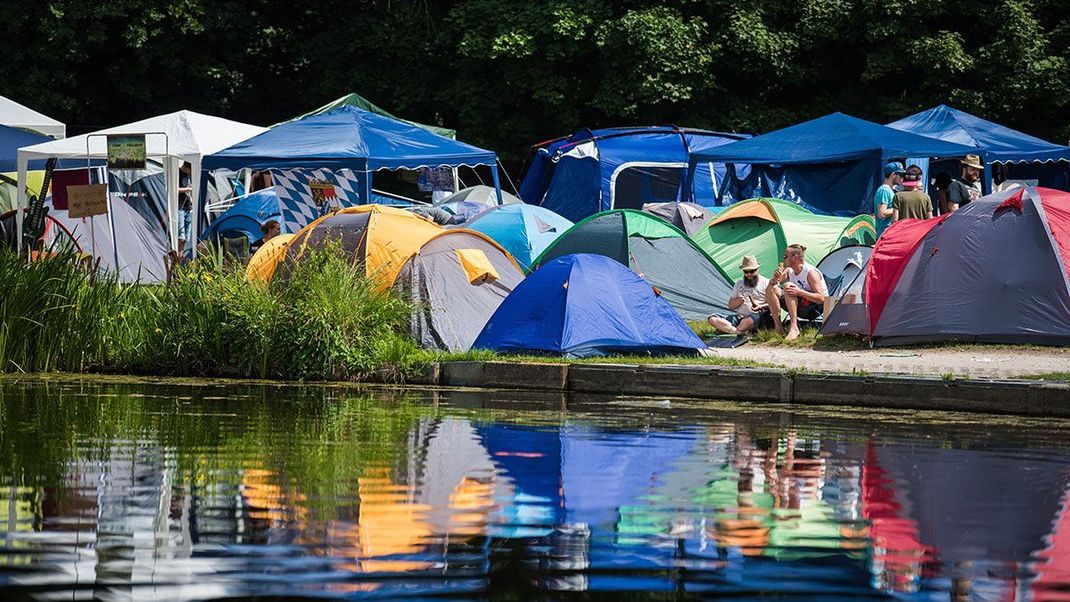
x: 170, y: 491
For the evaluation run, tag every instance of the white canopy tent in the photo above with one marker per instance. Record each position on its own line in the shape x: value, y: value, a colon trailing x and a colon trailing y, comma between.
x: 172, y: 139
x: 13, y: 114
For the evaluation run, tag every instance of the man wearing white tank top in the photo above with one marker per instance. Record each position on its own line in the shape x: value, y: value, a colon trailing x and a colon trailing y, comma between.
x: 802, y: 294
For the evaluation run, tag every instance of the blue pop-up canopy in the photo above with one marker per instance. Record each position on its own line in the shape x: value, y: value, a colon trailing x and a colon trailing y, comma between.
x: 350, y: 138
x: 831, y: 164
x: 1002, y: 145
x: 11, y: 140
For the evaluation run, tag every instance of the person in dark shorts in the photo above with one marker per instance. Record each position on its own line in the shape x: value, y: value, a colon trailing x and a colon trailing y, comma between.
x: 747, y: 301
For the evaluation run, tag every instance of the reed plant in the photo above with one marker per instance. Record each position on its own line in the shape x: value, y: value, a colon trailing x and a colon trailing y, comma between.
x: 325, y: 320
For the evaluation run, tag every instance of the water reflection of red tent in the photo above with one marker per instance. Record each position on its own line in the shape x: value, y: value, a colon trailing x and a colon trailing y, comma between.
x: 1052, y: 569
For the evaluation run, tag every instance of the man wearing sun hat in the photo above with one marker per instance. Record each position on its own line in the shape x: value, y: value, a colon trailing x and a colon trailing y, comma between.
x: 966, y: 189
x: 747, y: 299
x: 882, y: 200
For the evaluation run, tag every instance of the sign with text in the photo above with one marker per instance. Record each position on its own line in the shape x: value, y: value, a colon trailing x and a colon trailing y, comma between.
x: 126, y: 151
x: 87, y: 200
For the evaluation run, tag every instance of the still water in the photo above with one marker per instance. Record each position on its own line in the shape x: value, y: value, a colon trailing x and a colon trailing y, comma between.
x: 169, y: 491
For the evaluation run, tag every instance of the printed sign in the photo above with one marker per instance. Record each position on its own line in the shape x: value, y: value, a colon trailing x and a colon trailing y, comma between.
x: 126, y: 151
x: 87, y: 200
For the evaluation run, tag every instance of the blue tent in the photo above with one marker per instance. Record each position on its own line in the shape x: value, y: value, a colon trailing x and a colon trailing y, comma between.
x: 586, y: 305
x: 829, y: 165
x: 246, y: 216
x: 11, y: 140
x: 620, y: 168
x: 1022, y: 156
x: 350, y: 138
x: 523, y: 230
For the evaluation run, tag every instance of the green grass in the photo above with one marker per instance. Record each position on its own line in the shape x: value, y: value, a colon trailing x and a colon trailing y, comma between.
x: 1051, y: 376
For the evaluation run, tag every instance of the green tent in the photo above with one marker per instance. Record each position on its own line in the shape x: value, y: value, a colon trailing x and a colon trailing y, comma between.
x: 356, y: 100
x: 765, y: 227
x: 670, y: 261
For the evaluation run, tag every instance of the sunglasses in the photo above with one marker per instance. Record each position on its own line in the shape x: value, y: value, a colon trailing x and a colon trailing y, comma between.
x: 750, y: 271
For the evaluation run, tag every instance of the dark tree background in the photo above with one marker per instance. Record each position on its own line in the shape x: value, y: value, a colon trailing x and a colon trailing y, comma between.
x: 508, y: 73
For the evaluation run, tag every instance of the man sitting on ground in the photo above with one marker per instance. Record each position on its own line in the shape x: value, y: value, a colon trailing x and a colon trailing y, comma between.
x: 747, y: 300
x: 802, y: 294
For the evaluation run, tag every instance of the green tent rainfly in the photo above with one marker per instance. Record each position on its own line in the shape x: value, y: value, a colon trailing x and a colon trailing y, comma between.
x: 656, y: 250
x: 356, y: 100
x: 765, y: 227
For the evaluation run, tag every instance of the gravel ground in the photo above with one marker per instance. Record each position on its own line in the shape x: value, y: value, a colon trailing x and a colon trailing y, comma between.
x: 969, y: 361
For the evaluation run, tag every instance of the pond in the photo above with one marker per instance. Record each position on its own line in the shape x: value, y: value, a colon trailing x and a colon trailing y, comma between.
x: 176, y: 490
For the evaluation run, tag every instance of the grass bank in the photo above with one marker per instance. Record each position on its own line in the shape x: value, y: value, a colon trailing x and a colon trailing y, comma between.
x: 326, y: 321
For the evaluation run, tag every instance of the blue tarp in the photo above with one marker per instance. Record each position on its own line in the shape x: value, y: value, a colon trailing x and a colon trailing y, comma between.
x: 246, y: 216
x: 348, y: 137
x: 586, y: 305
x: 830, y: 165
x: 11, y: 140
x: 1024, y: 157
x: 523, y: 230
x: 620, y: 168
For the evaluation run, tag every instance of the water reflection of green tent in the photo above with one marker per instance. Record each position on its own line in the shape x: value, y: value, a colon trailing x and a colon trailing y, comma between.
x: 765, y: 227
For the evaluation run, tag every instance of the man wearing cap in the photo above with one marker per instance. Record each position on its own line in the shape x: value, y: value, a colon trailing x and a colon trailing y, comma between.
x: 912, y: 202
x: 747, y: 299
x: 966, y: 189
x: 882, y: 200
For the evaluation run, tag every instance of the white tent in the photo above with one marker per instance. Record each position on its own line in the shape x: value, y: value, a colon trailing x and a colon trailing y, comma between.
x: 14, y: 115
x: 172, y: 139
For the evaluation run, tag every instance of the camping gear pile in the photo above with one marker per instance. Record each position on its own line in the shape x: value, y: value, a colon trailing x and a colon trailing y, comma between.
x: 615, y: 237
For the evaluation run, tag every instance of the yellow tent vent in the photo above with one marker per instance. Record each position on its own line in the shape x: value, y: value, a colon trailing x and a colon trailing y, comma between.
x: 476, y: 266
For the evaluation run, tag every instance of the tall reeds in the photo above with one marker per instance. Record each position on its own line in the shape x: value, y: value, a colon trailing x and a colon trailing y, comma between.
x: 324, y: 321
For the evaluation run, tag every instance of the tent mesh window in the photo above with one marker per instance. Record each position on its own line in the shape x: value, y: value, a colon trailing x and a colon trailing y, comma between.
x: 635, y: 186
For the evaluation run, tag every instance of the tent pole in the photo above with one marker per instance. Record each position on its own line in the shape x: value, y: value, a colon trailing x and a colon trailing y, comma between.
x: 366, y: 187
x: 497, y: 183
x: 688, y: 193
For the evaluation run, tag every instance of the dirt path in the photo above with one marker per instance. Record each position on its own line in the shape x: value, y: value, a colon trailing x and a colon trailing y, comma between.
x: 972, y: 361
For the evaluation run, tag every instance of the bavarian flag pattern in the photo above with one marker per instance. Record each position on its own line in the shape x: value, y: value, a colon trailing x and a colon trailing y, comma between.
x: 298, y: 204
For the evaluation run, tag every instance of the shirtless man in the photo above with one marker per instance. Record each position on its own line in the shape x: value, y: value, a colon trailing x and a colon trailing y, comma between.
x: 799, y: 287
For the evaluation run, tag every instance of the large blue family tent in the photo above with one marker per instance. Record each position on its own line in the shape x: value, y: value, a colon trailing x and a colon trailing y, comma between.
x: 620, y: 168
x: 351, y: 138
x: 246, y: 216
x: 829, y: 165
x: 1018, y: 155
x: 586, y: 305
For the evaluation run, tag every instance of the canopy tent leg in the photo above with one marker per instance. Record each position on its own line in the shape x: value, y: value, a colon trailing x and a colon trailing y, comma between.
x: 497, y: 183
x: 195, y: 208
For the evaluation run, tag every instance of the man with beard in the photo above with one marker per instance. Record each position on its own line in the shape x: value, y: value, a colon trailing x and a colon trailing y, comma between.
x: 967, y: 188
x: 747, y: 299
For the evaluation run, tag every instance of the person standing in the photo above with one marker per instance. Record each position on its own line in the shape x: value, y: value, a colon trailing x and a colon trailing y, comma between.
x: 882, y: 200
x: 911, y: 202
x: 967, y: 188
x: 185, y: 208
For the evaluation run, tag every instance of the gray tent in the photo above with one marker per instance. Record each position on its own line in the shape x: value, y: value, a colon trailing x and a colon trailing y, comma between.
x: 456, y: 281
x: 850, y: 314
x: 689, y: 217
x: 840, y: 267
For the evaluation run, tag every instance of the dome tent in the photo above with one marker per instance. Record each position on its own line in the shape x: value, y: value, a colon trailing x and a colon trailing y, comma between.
x: 263, y: 263
x: 523, y: 230
x: 688, y: 279
x: 382, y: 238
x: 842, y: 266
x: 455, y: 281
x: 765, y: 227
x: 586, y: 305
x: 688, y: 217
x: 246, y: 216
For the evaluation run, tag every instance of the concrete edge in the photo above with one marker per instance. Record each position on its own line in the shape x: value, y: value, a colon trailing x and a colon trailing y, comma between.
x: 768, y: 385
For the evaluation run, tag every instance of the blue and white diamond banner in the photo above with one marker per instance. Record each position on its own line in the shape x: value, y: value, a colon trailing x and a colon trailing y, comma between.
x: 305, y: 194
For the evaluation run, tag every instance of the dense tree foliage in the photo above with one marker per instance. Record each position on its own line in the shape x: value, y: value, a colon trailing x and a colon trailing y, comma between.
x: 508, y: 73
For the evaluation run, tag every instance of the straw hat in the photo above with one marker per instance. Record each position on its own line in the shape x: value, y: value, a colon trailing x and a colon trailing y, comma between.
x: 972, y: 161
x: 750, y: 262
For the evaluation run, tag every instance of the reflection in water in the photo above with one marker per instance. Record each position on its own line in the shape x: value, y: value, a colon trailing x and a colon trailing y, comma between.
x: 182, y: 492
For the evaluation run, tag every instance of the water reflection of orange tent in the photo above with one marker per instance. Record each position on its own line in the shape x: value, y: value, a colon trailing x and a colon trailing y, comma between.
x: 266, y: 500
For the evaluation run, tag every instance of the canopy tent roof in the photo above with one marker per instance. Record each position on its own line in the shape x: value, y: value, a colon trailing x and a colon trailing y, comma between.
x: 834, y: 137
x: 356, y: 100
x: 11, y: 140
x: 15, y: 115
x: 188, y: 135
x: 348, y: 137
x: 1001, y: 143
